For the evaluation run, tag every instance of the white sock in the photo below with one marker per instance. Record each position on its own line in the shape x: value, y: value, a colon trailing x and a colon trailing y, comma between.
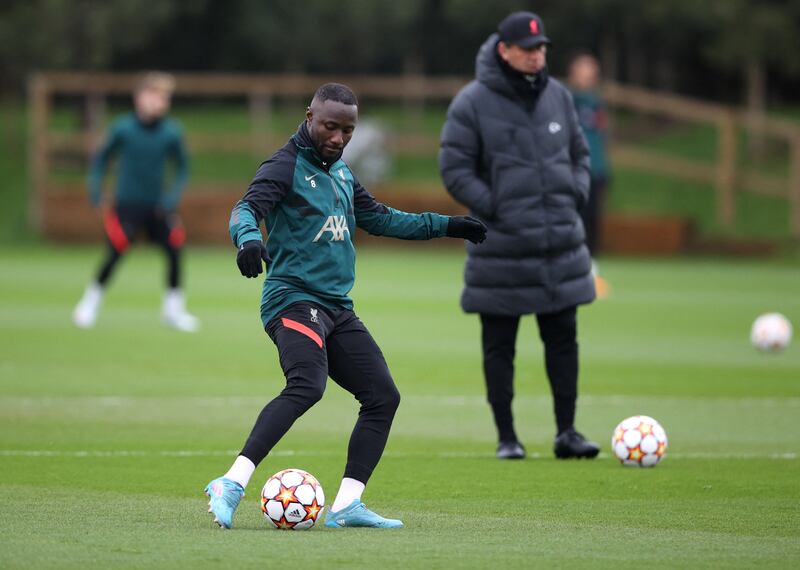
x: 174, y: 302
x: 85, y: 313
x: 241, y: 471
x: 93, y: 293
x: 349, y: 491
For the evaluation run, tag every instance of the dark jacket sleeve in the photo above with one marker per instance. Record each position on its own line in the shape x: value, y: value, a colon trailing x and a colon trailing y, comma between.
x: 272, y: 182
x: 579, y: 152
x: 380, y: 220
x: 459, y: 158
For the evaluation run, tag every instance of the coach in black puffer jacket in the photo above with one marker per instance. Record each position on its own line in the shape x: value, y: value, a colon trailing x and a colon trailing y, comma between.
x: 512, y: 151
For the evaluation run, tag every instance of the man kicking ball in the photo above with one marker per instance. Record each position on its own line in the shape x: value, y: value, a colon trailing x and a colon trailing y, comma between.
x: 310, y: 200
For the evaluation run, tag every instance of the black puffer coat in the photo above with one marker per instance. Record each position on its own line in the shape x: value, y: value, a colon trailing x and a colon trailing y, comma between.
x: 521, y: 165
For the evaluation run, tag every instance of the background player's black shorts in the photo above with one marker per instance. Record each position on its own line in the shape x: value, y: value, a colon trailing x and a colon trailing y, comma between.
x: 124, y: 223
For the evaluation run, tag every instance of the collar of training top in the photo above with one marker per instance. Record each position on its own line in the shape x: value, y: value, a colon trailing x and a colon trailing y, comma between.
x: 302, y: 139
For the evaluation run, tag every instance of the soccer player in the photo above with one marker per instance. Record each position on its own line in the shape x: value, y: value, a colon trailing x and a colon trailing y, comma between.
x: 584, y: 82
x: 311, y: 203
x: 145, y: 140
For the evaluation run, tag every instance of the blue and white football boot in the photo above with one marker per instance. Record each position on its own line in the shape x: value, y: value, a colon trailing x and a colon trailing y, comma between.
x: 357, y: 515
x: 223, y: 498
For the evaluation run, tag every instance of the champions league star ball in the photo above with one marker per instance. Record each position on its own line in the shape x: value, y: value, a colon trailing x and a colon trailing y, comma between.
x: 639, y: 441
x: 292, y: 499
x: 771, y: 332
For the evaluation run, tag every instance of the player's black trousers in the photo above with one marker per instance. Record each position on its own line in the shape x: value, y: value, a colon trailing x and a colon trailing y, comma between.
x: 592, y: 214
x: 313, y: 343
x: 124, y: 222
x: 558, y: 332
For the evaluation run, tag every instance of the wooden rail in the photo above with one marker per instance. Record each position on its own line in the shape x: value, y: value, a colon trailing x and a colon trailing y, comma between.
x: 246, y: 85
x: 725, y: 173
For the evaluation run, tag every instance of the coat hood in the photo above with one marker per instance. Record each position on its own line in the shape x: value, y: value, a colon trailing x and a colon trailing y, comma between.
x: 488, y: 70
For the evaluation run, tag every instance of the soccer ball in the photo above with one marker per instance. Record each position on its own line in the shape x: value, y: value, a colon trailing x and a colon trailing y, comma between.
x: 292, y: 499
x: 639, y: 441
x: 771, y: 332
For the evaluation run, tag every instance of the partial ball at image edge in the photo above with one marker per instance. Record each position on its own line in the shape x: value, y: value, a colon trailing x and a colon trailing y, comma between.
x: 771, y: 333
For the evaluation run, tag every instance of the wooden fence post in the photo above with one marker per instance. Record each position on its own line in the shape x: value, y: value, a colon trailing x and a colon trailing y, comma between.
x: 260, y: 118
x: 38, y: 163
x: 725, y: 183
x: 95, y: 120
x: 794, y: 184
x: 414, y: 98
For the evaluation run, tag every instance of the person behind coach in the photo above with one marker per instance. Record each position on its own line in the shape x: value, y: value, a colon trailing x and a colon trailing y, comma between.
x: 583, y: 79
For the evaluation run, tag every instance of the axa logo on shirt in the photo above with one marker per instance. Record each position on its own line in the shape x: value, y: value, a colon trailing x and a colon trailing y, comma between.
x: 337, y: 225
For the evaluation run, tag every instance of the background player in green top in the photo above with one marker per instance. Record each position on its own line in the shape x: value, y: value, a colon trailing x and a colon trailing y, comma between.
x: 584, y: 82
x: 145, y: 140
x: 311, y: 203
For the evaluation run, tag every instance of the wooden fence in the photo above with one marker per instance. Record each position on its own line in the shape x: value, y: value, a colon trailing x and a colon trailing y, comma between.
x: 724, y: 173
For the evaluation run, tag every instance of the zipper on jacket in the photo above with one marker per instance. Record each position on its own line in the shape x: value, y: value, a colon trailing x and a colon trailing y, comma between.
x: 333, y: 186
x: 326, y: 168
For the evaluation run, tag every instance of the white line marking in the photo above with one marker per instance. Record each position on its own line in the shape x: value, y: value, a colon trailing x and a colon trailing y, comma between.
x: 291, y: 452
x: 438, y: 400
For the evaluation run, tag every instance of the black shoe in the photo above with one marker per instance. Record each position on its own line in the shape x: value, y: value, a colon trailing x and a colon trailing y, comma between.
x: 510, y: 450
x: 570, y: 443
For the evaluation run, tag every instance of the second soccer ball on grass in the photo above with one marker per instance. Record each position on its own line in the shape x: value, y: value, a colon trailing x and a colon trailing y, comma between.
x: 639, y: 441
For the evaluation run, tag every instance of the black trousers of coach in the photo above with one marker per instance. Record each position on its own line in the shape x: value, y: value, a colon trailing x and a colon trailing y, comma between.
x: 558, y: 332
x: 313, y: 343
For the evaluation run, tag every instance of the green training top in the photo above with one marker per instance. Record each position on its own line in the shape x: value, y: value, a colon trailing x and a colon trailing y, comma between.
x: 143, y: 149
x: 310, y: 208
x: 593, y: 118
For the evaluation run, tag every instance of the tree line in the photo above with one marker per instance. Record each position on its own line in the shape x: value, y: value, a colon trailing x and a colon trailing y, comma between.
x: 737, y: 51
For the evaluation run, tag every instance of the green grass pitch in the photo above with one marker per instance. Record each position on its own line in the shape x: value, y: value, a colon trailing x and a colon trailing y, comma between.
x: 108, y: 436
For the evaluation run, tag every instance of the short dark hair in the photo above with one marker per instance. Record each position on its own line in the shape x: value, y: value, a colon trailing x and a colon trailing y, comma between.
x: 574, y: 56
x: 336, y: 92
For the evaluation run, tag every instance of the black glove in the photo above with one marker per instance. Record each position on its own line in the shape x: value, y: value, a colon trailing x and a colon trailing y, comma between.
x: 466, y: 227
x: 249, y: 258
